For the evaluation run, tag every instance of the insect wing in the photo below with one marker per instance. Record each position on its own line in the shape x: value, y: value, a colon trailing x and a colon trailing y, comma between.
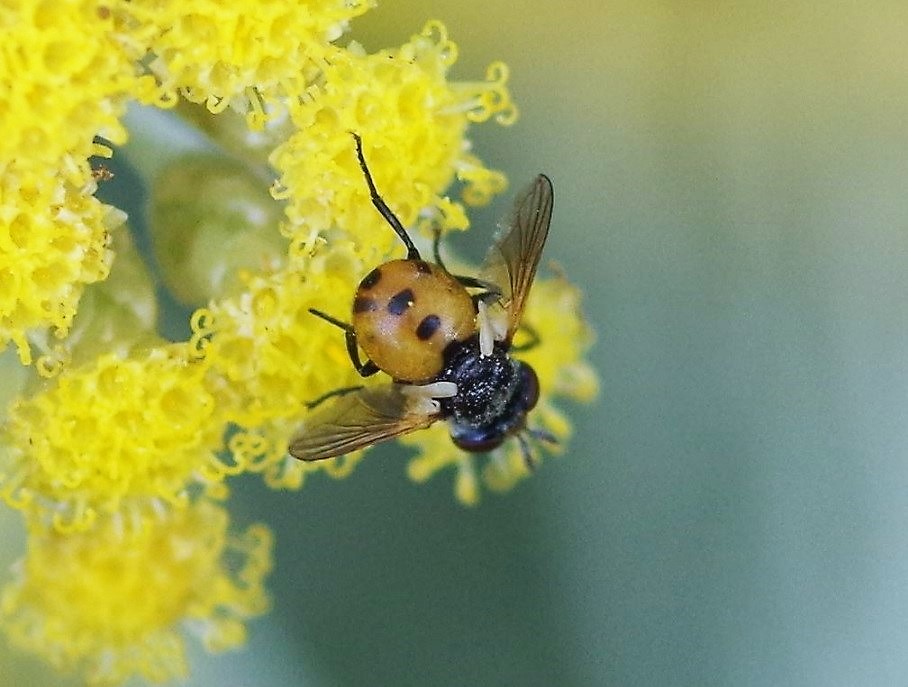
x: 357, y: 420
x: 513, y: 259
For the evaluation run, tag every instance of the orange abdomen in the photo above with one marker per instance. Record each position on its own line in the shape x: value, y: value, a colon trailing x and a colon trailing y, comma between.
x: 405, y: 314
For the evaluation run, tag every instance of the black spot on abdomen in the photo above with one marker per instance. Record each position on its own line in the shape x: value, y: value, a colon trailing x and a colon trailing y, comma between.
x: 422, y: 267
x: 428, y: 326
x: 371, y: 279
x: 363, y: 304
x: 400, y: 301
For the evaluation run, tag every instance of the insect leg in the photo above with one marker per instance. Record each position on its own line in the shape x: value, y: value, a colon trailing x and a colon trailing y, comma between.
x: 436, y: 245
x: 528, y: 458
x: 490, y: 292
x: 542, y: 435
x: 485, y: 298
x: 531, y: 343
x: 333, y: 320
x: 490, y: 289
x: 475, y: 283
x: 365, y: 369
x: 342, y: 391
x: 382, y: 207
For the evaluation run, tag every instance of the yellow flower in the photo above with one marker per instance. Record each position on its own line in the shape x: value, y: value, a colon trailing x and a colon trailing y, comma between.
x: 270, y: 356
x: 53, y: 241
x: 115, y: 315
x: 118, y: 435
x: 413, y: 124
x: 270, y: 352
x: 64, y: 79
x: 67, y: 71
x: 111, y: 603
x: 239, y: 54
x: 553, y: 312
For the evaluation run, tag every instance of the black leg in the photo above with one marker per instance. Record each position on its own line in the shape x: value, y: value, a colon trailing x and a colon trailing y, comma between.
x: 542, y: 435
x: 333, y: 320
x: 468, y: 282
x: 528, y: 459
x: 382, y: 207
x: 531, y: 343
x: 365, y: 369
x: 485, y: 296
x: 343, y: 391
x: 475, y: 283
x: 436, y: 244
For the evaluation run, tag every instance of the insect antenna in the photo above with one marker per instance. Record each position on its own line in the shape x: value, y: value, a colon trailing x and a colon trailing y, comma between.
x: 382, y: 206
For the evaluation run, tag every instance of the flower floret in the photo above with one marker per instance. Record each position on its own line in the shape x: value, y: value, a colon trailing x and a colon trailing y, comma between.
x: 119, y: 433
x: 111, y: 604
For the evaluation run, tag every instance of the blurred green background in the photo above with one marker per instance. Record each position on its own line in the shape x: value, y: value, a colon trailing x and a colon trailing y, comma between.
x: 731, y: 193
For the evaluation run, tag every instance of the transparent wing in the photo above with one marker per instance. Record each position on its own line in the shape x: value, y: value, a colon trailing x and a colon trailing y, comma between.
x: 512, y: 261
x: 356, y: 420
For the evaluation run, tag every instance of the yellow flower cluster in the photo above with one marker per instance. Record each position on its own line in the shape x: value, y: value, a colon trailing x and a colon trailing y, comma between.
x: 271, y: 356
x: 53, y: 241
x: 413, y: 124
x: 116, y: 436
x: 114, y: 461
x: 110, y: 602
x: 67, y: 71
x: 64, y: 77
x: 240, y: 54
